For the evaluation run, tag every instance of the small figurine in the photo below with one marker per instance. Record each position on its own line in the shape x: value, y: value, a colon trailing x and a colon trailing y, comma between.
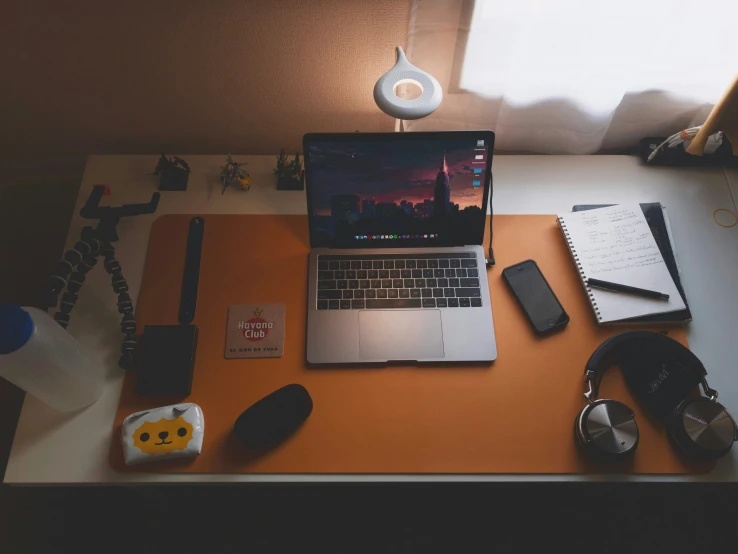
x: 173, y: 173
x: 232, y: 170
x: 290, y: 174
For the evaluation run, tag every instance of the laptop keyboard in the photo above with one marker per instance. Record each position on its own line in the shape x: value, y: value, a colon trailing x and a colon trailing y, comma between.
x: 387, y: 281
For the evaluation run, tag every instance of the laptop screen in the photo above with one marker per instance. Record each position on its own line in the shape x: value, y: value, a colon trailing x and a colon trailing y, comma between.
x: 379, y: 190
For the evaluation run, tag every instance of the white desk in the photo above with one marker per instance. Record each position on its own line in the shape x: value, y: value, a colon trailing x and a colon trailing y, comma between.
x: 60, y: 449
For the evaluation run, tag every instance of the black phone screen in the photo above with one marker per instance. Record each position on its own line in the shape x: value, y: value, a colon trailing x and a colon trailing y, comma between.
x: 535, y: 296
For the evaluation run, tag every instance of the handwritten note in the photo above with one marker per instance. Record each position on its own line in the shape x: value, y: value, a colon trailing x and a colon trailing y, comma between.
x: 616, y: 244
x: 618, y: 241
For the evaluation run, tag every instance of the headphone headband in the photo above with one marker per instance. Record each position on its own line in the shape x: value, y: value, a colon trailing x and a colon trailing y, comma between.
x: 601, y: 359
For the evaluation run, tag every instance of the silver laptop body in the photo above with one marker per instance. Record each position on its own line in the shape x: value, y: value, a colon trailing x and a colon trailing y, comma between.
x: 383, y: 286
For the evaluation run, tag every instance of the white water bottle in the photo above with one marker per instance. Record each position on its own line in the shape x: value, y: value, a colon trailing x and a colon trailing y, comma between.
x: 43, y: 359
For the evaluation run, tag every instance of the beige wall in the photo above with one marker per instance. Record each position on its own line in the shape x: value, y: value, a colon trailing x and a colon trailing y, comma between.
x: 187, y: 76
x: 249, y: 76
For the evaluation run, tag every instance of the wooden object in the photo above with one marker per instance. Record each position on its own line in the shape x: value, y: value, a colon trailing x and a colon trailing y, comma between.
x: 723, y: 117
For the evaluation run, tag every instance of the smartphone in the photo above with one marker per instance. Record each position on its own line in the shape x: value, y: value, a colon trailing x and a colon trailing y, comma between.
x: 543, y: 309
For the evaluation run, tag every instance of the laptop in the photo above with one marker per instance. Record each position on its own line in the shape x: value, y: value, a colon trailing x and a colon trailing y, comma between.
x: 397, y: 269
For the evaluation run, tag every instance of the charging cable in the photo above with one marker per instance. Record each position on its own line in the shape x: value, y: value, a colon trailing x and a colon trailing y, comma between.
x: 490, y: 261
x: 713, y: 142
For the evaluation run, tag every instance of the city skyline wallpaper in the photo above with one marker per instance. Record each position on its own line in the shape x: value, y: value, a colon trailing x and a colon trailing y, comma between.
x: 416, y: 189
x: 392, y: 172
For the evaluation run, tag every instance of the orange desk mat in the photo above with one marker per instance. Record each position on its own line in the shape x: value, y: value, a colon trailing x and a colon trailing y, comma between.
x: 513, y: 416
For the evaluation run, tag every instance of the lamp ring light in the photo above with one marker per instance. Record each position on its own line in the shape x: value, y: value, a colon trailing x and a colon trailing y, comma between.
x: 401, y: 73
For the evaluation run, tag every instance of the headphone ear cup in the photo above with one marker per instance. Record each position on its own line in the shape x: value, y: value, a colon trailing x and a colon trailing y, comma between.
x: 606, y: 429
x: 701, y: 428
x: 677, y: 432
x: 578, y: 436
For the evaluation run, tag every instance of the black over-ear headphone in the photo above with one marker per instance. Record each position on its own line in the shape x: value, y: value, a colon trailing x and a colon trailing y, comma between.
x: 660, y: 371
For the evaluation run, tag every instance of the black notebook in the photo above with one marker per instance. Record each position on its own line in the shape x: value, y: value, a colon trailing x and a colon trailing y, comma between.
x: 655, y: 216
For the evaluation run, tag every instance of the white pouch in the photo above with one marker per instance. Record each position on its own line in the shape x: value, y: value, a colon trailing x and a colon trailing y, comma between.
x: 163, y: 433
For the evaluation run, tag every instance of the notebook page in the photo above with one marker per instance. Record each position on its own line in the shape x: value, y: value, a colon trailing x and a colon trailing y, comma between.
x: 615, y: 244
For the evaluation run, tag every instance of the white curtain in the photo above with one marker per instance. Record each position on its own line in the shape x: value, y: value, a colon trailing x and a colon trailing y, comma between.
x: 574, y: 76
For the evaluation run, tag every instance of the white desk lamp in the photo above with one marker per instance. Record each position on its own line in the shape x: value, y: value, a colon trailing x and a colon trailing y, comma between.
x: 403, y: 72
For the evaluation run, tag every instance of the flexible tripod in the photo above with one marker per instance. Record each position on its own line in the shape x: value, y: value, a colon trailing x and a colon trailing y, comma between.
x: 71, y: 270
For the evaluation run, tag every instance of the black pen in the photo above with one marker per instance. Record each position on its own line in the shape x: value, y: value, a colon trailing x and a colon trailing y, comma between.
x: 614, y: 287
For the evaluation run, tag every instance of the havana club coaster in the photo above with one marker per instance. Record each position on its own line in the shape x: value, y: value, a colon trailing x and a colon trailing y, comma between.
x: 255, y: 331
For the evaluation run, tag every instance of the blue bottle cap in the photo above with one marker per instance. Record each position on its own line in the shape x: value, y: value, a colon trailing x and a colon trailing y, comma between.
x: 16, y: 327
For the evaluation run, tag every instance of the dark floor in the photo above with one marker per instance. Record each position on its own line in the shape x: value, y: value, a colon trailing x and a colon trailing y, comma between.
x: 599, y: 518
x: 622, y: 518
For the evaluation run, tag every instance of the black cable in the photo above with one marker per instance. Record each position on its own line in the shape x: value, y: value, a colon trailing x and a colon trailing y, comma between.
x: 491, y: 260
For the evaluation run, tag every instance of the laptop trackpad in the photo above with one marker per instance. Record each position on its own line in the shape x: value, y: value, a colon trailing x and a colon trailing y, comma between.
x: 396, y: 335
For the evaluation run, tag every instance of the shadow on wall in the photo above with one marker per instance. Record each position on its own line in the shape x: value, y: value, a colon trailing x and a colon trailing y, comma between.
x: 36, y: 203
x: 193, y: 77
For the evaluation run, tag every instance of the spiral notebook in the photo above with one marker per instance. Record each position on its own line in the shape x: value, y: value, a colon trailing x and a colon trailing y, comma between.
x: 616, y: 244
x: 658, y: 221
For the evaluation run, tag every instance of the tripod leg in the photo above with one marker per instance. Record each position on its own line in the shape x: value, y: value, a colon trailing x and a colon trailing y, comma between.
x: 125, y: 307
x: 80, y: 258
x: 74, y: 284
